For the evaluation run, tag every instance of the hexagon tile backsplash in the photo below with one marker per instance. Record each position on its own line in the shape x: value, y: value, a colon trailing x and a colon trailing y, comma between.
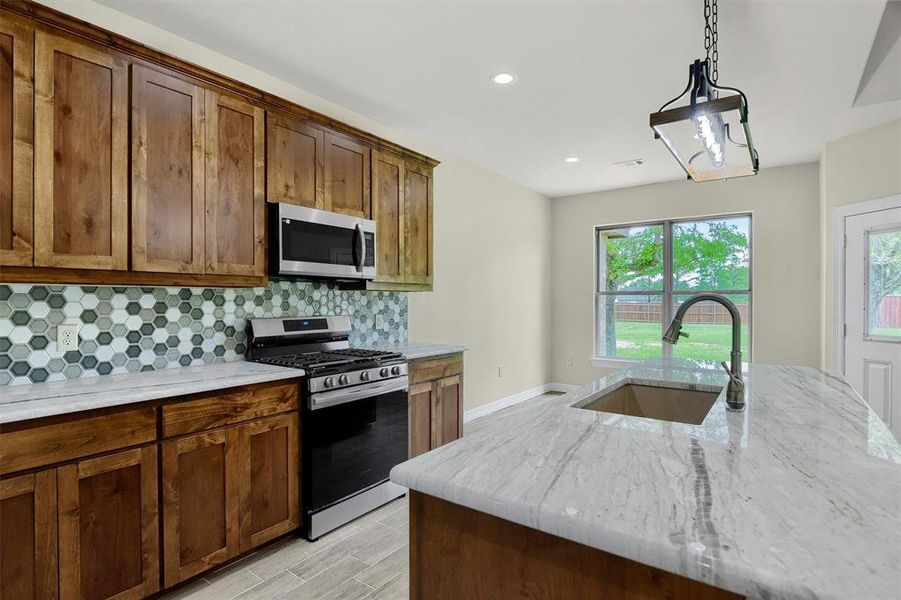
x: 125, y: 329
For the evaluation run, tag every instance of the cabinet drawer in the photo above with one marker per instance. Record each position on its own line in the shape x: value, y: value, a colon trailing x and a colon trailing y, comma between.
x: 77, y: 438
x: 216, y: 410
x: 430, y: 369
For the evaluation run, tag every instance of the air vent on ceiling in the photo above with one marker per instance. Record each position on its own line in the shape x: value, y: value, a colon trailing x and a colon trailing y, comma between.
x: 625, y: 164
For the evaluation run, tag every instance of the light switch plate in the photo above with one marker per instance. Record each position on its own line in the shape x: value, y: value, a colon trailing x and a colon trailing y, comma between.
x: 67, y: 337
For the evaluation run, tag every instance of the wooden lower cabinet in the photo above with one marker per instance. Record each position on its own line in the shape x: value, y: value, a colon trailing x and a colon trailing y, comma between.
x: 108, y: 526
x: 270, y: 474
x: 422, y: 397
x: 227, y: 491
x: 28, y: 555
x: 200, y: 503
x: 436, y: 402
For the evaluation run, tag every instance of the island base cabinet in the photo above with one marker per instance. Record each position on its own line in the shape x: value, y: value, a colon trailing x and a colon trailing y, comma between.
x: 457, y: 552
x: 108, y: 526
x: 28, y: 555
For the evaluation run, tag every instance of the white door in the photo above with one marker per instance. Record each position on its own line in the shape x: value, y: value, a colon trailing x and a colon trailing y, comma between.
x: 873, y: 311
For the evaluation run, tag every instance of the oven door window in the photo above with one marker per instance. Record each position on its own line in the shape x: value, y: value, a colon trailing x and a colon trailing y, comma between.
x: 303, y: 241
x: 352, y: 447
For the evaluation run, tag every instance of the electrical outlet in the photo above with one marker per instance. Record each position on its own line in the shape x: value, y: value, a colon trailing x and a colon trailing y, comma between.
x: 569, y: 360
x: 67, y: 337
x: 500, y: 371
x: 380, y: 321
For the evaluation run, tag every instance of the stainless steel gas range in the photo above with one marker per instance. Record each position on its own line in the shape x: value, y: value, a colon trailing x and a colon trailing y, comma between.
x: 354, y: 416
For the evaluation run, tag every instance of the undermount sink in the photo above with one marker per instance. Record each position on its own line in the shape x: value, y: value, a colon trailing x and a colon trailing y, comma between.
x: 656, y: 402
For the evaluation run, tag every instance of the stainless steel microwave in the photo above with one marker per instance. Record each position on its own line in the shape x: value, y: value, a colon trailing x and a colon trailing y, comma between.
x: 305, y: 242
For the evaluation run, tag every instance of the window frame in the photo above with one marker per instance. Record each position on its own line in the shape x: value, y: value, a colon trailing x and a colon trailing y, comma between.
x: 668, y: 293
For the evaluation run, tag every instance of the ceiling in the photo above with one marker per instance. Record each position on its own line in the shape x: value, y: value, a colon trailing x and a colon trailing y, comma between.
x: 588, y: 73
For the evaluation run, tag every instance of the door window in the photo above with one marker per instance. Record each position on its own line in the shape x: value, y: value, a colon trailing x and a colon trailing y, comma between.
x: 883, y: 284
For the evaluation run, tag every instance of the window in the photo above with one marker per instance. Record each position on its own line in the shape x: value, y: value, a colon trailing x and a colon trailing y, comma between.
x: 645, y: 271
x: 883, y: 282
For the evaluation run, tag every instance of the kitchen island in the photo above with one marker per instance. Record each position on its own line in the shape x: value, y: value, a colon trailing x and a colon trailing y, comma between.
x: 797, y: 497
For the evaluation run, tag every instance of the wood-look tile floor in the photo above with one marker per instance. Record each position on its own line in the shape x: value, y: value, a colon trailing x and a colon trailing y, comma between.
x: 367, y: 558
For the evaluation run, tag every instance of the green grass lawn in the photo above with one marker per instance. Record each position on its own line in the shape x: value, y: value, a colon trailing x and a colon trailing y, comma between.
x: 887, y: 331
x: 705, y: 342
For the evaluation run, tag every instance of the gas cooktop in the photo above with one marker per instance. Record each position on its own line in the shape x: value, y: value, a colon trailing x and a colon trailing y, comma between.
x: 348, y: 358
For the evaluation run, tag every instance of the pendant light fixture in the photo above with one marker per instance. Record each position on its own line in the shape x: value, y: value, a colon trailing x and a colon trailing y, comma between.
x: 709, y: 136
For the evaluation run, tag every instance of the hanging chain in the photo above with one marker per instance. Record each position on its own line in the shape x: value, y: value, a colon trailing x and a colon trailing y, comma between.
x: 710, y: 38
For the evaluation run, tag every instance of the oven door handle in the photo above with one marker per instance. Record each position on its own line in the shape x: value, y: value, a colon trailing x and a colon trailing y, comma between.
x: 336, y: 397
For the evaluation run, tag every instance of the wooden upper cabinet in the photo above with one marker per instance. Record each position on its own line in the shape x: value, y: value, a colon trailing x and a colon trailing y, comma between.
x: 109, y: 527
x: 80, y: 155
x: 16, y: 140
x: 200, y: 503
x: 418, y: 224
x: 235, y: 196
x: 167, y: 176
x: 295, y: 167
x: 28, y: 546
x: 388, y: 212
x: 347, y: 175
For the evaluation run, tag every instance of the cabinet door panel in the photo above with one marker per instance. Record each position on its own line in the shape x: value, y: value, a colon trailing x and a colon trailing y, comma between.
x: 295, y: 170
x: 16, y: 141
x: 28, y: 536
x: 388, y: 213
x: 448, y: 410
x: 347, y: 176
x: 108, y: 526
x: 235, y: 202
x: 200, y: 508
x: 167, y: 173
x: 418, y: 244
x: 421, y: 400
x: 271, y: 473
x: 81, y: 136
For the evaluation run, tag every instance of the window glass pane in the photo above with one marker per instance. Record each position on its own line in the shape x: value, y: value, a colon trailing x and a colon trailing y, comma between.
x: 630, y: 258
x: 630, y: 326
x: 713, y: 254
x: 884, y: 281
x: 709, y: 329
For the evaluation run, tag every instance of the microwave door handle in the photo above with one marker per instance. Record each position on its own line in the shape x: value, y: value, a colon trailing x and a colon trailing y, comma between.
x: 360, y: 248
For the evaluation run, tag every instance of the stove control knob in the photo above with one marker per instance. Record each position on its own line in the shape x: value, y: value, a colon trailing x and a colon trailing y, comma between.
x: 395, y: 370
x: 328, y: 382
x: 364, y: 376
x: 383, y: 372
x: 343, y: 380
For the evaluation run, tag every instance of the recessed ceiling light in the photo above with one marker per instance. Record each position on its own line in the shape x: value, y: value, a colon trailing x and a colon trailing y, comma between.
x: 572, y: 159
x: 504, y: 78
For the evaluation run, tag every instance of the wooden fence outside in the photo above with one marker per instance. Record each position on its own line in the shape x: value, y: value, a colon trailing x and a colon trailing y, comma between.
x: 699, y: 313
x: 890, y: 311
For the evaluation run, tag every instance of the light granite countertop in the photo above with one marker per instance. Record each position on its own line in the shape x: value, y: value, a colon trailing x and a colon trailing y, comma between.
x: 797, y: 497
x: 415, y: 350
x: 23, y: 402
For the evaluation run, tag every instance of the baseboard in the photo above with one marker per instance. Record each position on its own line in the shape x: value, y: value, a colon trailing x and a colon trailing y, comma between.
x: 487, y: 409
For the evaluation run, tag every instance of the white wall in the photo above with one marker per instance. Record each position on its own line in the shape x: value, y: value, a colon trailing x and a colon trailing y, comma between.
x: 492, y: 268
x: 785, y: 250
x: 863, y: 166
x: 492, y: 236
